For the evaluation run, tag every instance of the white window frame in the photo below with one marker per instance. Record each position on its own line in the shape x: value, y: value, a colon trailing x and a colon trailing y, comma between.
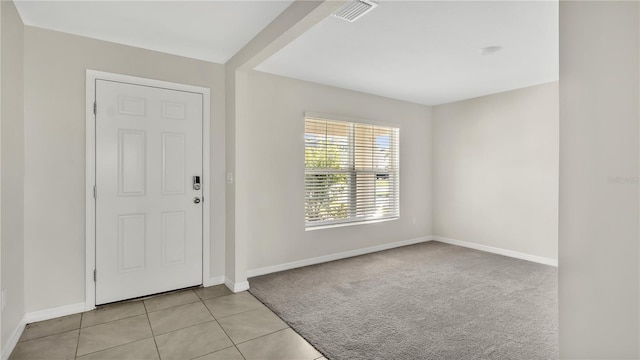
x: 354, y: 221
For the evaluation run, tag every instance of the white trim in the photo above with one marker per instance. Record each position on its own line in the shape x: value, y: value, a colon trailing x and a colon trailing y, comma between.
x: 350, y: 223
x: 90, y: 180
x: 60, y: 311
x: 499, y: 251
x: 332, y: 257
x: 14, y: 338
x: 90, y: 250
x: 236, y: 287
x: 332, y: 117
x: 213, y: 281
x: 206, y: 191
x: 357, y: 252
x: 36, y: 316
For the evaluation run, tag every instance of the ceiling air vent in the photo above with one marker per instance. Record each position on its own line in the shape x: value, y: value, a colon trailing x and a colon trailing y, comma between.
x: 353, y: 10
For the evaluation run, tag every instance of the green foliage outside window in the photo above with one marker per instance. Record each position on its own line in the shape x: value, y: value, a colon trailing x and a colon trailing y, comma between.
x: 329, y: 196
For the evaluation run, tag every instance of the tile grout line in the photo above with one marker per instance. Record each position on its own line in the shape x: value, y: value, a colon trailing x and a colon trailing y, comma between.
x: 127, y: 343
x: 223, y: 330
x: 153, y: 335
x: 169, y: 307
x: 130, y: 316
x: 131, y: 301
x: 75, y: 355
x: 242, y: 312
x: 80, y: 327
x: 51, y: 334
x: 173, y: 306
x: 271, y: 333
x: 113, y: 347
x: 111, y: 321
x: 289, y: 326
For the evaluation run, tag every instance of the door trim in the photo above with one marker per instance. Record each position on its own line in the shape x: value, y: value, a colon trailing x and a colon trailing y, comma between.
x: 90, y: 172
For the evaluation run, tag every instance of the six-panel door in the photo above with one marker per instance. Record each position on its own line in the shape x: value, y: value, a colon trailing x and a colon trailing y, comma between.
x: 148, y: 226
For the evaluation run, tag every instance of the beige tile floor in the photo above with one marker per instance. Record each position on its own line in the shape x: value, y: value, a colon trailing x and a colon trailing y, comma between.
x: 202, y: 323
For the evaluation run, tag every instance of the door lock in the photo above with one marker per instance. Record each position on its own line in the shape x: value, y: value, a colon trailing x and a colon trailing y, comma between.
x: 196, y: 183
x: 196, y: 200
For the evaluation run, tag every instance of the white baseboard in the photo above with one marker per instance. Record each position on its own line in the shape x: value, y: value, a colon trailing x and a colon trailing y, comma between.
x: 65, y: 310
x: 47, y: 314
x: 36, y: 316
x: 332, y: 257
x: 499, y: 251
x: 357, y: 252
x: 217, y: 280
x: 14, y: 338
x: 236, y: 286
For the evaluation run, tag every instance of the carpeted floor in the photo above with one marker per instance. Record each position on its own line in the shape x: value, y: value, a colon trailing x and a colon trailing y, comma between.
x: 425, y: 301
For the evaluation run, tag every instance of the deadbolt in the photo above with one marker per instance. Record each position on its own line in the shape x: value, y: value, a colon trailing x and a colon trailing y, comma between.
x: 196, y: 182
x: 196, y: 200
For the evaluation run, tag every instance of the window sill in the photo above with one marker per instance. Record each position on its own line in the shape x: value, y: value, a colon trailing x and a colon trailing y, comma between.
x: 331, y: 226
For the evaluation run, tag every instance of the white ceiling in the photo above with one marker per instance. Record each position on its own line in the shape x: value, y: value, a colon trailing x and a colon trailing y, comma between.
x: 428, y: 52
x: 425, y: 52
x: 206, y: 30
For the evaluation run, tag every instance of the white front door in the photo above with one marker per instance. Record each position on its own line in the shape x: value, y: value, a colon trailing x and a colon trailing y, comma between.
x: 148, y: 207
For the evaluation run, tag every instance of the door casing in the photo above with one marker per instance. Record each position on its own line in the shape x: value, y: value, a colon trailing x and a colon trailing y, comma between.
x: 90, y: 201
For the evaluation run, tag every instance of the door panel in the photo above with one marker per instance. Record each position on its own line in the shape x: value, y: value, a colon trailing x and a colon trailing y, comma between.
x: 173, y: 161
x: 132, y: 169
x: 132, y: 240
x: 173, y: 237
x: 148, y: 227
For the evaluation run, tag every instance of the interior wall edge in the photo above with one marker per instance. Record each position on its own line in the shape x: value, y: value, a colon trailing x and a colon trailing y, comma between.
x: 495, y: 170
x: 14, y: 337
x: 352, y: 253
x: 499, y: 251
x: 214, y: 280
x: 55, y: 78
x: 337, y: 256
x: 13, y: 162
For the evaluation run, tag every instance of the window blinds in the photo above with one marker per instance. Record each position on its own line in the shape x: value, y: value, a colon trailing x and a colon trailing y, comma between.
x: 351, y: 172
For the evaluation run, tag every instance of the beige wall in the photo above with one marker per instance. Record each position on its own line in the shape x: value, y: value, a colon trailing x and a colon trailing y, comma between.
x: 291, y: 23
x: 13, y: 162
x: 270, y: 170
x: 599, y: 250
x: 55, y: 65
x: 599, y: 272
x: 495, y: 167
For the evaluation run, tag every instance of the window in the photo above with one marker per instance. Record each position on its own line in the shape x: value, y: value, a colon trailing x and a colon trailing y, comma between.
x: 351, y: 172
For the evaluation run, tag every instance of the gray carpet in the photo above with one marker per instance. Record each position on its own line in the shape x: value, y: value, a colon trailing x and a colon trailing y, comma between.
x: 425, y: 301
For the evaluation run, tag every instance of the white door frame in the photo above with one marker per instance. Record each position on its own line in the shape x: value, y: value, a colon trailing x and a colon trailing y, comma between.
x: 90, y: 212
